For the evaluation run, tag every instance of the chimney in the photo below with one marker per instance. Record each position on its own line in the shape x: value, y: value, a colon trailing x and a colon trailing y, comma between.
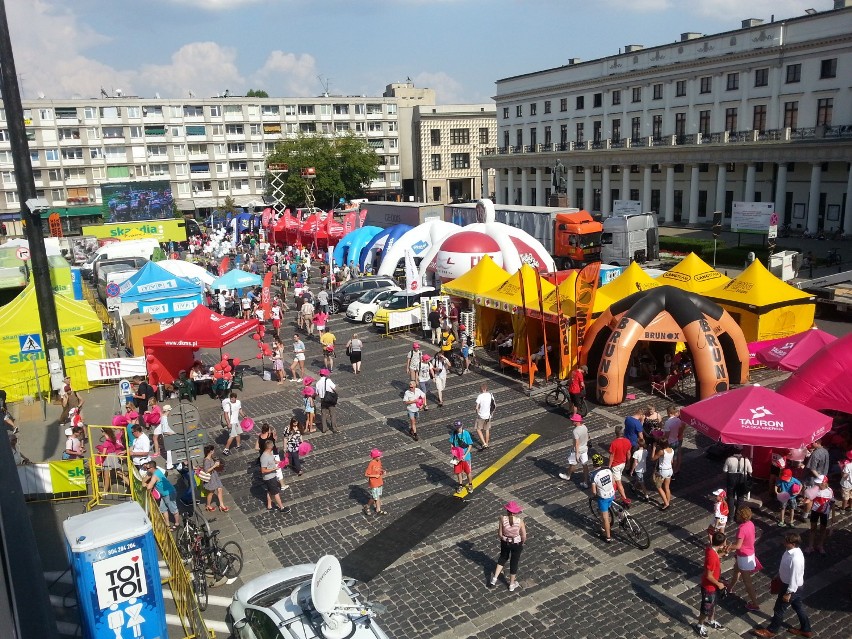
x: 689, y: 35
x: 632, y: 48
x: 752, y: 22
x: 575, y: 60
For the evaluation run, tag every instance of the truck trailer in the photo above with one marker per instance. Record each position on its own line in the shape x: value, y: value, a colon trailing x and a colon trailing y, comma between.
x: 630, y: 238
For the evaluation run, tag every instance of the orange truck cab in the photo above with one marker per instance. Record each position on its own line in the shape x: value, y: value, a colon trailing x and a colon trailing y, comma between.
x: 576, y: 240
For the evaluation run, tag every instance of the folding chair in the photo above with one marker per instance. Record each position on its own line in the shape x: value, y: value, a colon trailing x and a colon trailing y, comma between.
x: 665, y: 386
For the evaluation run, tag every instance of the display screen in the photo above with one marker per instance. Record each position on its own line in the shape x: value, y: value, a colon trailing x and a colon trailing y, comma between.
x: 132, y: 201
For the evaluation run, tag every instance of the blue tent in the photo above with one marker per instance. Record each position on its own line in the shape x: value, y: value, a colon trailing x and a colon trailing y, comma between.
x: 384, y: 241
x: 235, y: 278
x: 162, y: 294
x: 349, y: 247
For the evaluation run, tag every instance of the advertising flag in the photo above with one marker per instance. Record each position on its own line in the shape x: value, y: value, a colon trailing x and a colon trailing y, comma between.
x: 223, y: 265
x: 584, y: 296
x: 530, y: 369
x: 362, y: 217
x: 412, y: 277
x: 266, y: 296
x: 547, y: 371
x: 349, y: 221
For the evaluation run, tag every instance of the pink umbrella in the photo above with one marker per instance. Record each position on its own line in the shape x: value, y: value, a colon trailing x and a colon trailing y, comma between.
x: 791, y: 353
x: 756, y: 416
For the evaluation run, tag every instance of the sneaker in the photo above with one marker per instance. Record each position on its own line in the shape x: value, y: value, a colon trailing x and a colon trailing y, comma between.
x: 470, y: 488
x: 701, y: 630
x: 514, y: 586
x: 565, y: 476
x: 492, y: 582
x: 716, y: 625
x: 284, y: 510
x: 226, y: 452
x: 366, y: 510
x: 750, y: 608
x: 583, y: 485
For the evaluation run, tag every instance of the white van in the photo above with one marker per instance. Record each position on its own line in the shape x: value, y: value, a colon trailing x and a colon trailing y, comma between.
x: 147, y: 248
x: 113, y: 274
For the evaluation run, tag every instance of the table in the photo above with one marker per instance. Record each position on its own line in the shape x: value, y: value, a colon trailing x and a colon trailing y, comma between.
x: 521, y: 367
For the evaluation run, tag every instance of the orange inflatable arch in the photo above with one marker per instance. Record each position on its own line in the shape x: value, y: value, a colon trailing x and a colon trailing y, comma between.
x: 666, y: 314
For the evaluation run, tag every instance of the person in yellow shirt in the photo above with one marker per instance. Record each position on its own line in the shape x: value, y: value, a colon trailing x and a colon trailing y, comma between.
x: 447, y: 340
x: 327, y: 341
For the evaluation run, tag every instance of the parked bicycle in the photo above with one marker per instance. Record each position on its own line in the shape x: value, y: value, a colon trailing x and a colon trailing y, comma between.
x: 206, y: 557
x: 634, y: 531
x: 559, y: 395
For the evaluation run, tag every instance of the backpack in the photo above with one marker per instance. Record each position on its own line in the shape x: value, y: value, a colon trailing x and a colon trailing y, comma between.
x: 329, y: 398
x: 493, y: 405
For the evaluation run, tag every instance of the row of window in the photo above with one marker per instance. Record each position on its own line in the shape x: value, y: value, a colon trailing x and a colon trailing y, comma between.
x: 828, y: 69
x: 213, y: 111
x: 458, y: 136
x: 825, y: 109
x: 457, y: 161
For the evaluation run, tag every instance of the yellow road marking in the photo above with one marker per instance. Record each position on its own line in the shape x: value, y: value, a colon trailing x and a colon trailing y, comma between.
x: 486, y: 474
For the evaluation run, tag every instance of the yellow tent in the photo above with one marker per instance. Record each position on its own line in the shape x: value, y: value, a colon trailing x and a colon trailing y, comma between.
x: 764, y: 306
x: 694, y: 275
x: 483, y: 277
x: 81, y: 333
x: 565, y: 290
x: 632, y: 280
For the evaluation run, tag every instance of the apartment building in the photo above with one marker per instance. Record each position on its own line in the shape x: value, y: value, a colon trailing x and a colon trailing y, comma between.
x: 207, y: 149
x: 761, y: 113
x: 448, y: 141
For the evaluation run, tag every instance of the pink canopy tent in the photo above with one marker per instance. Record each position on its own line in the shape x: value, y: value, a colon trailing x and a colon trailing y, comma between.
x: 791, y: 353
x: 823, y: 381
x: 756, y: 416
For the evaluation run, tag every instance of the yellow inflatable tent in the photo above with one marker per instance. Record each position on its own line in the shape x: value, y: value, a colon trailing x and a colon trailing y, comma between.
x: 483, y: 277
x: 694, y: 275
x: 764, y: 306
x: 82, y: 338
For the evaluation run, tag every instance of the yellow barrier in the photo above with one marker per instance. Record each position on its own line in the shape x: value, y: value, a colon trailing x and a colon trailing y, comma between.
x: 108, y: 470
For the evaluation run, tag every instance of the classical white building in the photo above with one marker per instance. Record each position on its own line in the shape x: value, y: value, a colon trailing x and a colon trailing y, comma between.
x: 762, y: 113
x: 447, y: 143
x: 207, y: 148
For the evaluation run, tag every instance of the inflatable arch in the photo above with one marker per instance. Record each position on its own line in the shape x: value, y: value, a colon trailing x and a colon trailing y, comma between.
x: 418, y: 240
x: 381, y: 242
x: 666, y: 314
x: 349, y: 247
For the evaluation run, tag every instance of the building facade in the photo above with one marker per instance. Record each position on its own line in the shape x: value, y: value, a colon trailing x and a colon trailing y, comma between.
x: 207, y: 149
x: 448, y: 141
x: 762, y: 113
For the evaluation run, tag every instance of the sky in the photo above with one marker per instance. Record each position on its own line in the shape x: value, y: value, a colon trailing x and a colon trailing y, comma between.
x: 294, y: 48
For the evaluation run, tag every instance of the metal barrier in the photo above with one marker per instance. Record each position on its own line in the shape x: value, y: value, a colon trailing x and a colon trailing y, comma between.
x: 107, y: 469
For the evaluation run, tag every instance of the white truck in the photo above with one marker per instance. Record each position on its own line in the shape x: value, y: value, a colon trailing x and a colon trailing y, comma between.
x: 630, y: 238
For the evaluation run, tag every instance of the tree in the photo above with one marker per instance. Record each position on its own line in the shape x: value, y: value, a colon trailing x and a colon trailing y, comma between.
x: 256, y: 93
x: 345, y: 165
x: 229, y: 206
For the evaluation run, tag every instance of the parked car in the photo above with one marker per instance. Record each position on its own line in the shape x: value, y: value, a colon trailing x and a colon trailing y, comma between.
x: 353, y: 289
x: 364, y: 308
x: 400, y: 302
x: 279, y: 605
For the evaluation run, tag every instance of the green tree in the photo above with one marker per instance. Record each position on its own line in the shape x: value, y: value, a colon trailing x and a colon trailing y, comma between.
x: 345, y: 165
x: 229, y: 206
x: 256, y: 93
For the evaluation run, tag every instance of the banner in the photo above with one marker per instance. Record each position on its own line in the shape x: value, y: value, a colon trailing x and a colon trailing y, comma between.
x: 362, y: 217
x: 223, y: 265
x: 117, y: 368
x: 265, y: 217
x: 349, y: 221
x: 530, y: 368
x: 412, y: 277
x: 564, y: 338
x: 584, y: 296
x: 547, y: 371
x: 68, y: 476
x: 266, y: 296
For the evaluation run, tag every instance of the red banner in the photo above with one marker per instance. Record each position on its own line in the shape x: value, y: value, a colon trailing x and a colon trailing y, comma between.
x: 223, y: 265
x: 584, y: 296
x: 266, y: 296
x: 266, y: 217
x: 349, y: 221
x: 362, y: 217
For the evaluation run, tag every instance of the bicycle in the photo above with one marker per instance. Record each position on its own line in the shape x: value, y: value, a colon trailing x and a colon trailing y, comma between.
x: 199, y: 547
x: 559, y: 395
x: 635, y: 531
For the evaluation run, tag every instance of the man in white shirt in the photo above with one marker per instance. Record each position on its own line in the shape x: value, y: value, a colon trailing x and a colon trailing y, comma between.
x: 579, y: 452
x: 483, y: 415
x: 792, y: 574
x: 323, y: 386
x: 233, y: 410
x: 140, y: 454
x: 673, y: 428
x: 603, y: 488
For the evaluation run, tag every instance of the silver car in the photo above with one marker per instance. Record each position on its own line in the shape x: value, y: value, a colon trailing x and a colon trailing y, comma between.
x: 278, y: 605
x: 364, y: 308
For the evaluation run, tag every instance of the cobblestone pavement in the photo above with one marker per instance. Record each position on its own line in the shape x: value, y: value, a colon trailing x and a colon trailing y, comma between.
x: 572, y: 584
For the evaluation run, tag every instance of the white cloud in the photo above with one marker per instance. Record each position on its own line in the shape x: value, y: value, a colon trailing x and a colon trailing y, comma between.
x: 286, y: 74
x: 448, y: 90
x: 203, y: 67
x: 217, y: 5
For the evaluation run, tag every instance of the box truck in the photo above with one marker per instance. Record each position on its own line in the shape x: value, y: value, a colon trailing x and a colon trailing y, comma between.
x: 630, y: 238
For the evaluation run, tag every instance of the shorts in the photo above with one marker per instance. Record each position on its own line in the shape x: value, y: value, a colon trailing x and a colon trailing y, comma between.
x: 278, y: 365
x: 236, y: 430
x: 573, y: 459
x: 482, y: 424
x: 273, y: 486
x: 617, y: 470
x: 309, y: 410
x: 666, y: 473
x: 167, y: 502
x: 354, y: 357
x: 604, y: 503
x: 440, y: 383
x: 747, y: 563
x: 300, y: 357
x: 707, y: 602
x: 465, y: 351
x: 412, y: 413
x: 462, y: 467
x: 638, y: 477
x: 820, y: 518
x: 376, y: 492
x: 846, y: 494
x: 320, y: 327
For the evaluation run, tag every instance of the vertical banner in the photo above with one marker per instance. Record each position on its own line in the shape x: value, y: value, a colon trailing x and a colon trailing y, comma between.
x: 412, y: 277
x: 530, y: 369
x: 584, y: 296
x: 547, y: 371
x: 362, y: 217
x: 223, y: 265
x: 349, y: 221
x: 266, y: 296
x: 564, y: 337
x: 331, y: 267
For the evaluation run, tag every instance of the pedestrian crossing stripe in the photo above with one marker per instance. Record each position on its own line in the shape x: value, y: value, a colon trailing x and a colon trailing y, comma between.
x: 30, y: 343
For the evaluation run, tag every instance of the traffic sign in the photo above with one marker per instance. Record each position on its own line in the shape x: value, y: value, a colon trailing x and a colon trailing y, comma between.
x: 113, y: 289
x: 773, y: 219
x: 30, y: 343
x: 23, y: 253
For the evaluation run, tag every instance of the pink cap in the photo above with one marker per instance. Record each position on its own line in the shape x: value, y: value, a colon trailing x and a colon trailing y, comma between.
x: 308, y: 391
x: 426, y: 357
x: 576, y: 417
x: 415, y: 345
x: 375, y: 453
x: 513, y: 507
x: 325, y: 372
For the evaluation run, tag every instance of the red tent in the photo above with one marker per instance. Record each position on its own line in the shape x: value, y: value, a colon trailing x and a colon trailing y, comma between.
x: 823, y: 381
x: 791, y: 353
x: 173, y: 349
x: 286, y: 230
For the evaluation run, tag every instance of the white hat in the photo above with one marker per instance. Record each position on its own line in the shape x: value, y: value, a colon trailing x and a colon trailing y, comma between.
x: 69, y: 432
x: 166, y: 408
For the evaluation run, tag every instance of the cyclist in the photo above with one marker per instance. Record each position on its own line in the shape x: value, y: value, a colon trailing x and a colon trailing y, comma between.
x: 447, y: 340
x: 603, y: 488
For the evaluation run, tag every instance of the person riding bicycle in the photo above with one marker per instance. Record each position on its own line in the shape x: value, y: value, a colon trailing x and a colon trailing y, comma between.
x: 447, y: 341
x: 603, y: 488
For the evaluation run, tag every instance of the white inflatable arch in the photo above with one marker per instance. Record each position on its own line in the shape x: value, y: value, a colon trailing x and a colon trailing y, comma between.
x: 420, y: 240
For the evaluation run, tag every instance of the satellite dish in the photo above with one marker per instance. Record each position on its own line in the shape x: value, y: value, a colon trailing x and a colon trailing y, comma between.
x: 325, y: 593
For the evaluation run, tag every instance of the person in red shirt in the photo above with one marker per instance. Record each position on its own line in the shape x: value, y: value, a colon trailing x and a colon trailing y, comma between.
x: 711, y: 584
x: 577, y: 389
x: 619, y: 458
